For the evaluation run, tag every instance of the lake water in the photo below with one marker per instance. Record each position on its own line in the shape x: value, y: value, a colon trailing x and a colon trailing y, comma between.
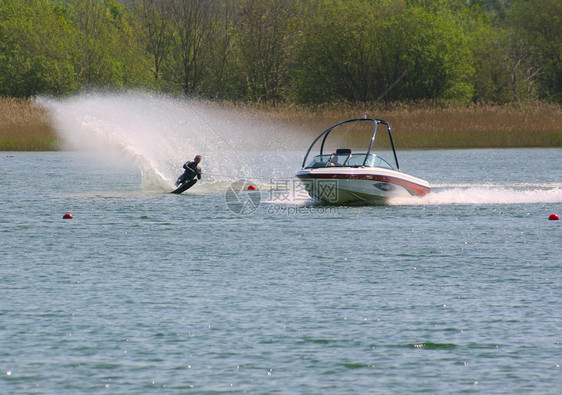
x: 149, y: 292
x: 145, y: 291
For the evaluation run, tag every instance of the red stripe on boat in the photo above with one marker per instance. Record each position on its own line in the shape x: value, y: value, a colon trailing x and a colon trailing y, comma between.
x: 419, y: 190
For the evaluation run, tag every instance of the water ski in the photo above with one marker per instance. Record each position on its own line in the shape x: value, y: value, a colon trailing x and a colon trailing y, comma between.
x: 184, y: 187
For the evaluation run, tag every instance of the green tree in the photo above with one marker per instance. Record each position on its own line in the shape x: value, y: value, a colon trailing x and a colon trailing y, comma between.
x: 34, y: 49
x: 430, y: 54
x: 222, y: 80
x: 359, y: 50
x: 492, y: 77
x: 106, y: 51
x: 127, y: 48
x: 155, y: 34
x: 263, y: 41
x: 338, y: 57
x: 92, y: 59
x: 537, y: 27
x: 191, y: 23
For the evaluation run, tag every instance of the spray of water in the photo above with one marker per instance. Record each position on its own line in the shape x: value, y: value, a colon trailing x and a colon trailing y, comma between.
x: 159, y: 133
x: 487, y: 194
x: 466, y: 194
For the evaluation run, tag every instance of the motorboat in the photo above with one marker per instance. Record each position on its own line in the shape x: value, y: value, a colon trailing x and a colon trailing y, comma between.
x: 344, y: 176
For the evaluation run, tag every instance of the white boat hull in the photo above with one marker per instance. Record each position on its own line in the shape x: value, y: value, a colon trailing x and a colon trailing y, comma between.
x: 360, y: 185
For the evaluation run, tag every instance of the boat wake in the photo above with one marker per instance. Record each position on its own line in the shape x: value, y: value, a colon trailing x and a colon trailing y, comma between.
x: 445, y: 194
x: 516, y: 193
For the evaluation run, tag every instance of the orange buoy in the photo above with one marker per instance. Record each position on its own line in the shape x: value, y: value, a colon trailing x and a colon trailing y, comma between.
x: 554, y: 217
x: 67, y: 216
x: 251, y: 188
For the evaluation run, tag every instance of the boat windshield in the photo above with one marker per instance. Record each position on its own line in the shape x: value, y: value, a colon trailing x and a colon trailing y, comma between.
x: 347, y: 160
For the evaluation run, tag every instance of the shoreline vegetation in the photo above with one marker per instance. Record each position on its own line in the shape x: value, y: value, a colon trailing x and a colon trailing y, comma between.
x: 427, y: 67
x: 26, y: 125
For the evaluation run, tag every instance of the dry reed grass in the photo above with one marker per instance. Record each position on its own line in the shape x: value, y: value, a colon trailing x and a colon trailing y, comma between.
x: 25, y: 126
x: 428, y: 125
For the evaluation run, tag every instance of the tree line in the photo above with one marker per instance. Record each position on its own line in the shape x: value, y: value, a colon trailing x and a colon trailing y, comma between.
x: 287, y: 51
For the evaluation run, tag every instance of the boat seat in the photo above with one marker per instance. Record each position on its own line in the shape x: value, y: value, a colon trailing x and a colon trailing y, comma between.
x: 343, y: 151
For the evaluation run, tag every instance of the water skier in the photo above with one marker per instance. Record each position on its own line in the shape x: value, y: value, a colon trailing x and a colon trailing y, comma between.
x: 192, y: 170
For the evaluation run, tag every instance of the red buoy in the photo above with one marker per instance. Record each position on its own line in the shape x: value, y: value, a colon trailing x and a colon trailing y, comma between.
x: 251, y: 188
x: 67, y: 216
x: 554, y: 217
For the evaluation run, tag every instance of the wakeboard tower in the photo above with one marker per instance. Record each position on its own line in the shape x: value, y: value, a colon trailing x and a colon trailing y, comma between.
x: 346, y: 177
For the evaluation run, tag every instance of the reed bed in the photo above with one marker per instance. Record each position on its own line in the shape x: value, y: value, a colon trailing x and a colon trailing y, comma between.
x: 429, y: 125
x: 25, y: 126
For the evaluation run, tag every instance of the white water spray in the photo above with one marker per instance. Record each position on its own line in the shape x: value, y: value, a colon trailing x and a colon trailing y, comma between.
x: 466, y: 194
x: 487, y: 194
x: 159, y: 133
